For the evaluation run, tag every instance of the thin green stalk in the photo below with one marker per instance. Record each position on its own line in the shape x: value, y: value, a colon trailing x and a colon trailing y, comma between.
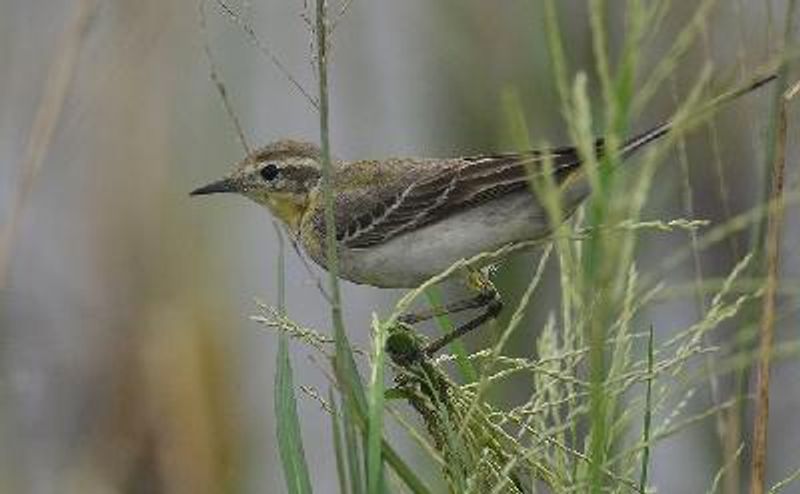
x: 332, y: 261
x: 667, y: 65
x: 597, y: 19
x: 344, y: 363
x: 558, y: 57
x: 376, y: 408
x: 601, y: 254
x: 465, y: 367
x: 597, y: 294
x: 648, y: 413
x: 352, y: 445
x: 338, y: 447
x: 355, y: 401
x: 354, y: 419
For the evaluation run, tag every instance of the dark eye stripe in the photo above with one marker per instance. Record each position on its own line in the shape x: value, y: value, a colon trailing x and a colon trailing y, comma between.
x: 269, y: 172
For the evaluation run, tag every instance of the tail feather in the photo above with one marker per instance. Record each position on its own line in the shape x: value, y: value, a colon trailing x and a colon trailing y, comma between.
x: 637, y: 142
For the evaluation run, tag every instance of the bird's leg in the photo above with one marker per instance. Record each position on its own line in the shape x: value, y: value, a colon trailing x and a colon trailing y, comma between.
x: 476, y: 302
x: 492, y: 310
x: 489, y: 298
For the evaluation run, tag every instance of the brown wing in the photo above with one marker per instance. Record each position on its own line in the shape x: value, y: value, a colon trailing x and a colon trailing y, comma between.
x: 447, y: 187
x: 457, y: 185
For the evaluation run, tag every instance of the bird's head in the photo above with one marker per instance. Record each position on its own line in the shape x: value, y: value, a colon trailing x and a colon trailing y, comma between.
x: 280, y: 176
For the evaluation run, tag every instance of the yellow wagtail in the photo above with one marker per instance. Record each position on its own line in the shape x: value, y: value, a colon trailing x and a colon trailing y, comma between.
x: 402, y: 221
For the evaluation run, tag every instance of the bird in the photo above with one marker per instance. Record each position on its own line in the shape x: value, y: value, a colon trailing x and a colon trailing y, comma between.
x: 401, y: 221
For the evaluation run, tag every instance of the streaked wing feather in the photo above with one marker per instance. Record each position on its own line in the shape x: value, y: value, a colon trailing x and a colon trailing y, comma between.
x: 456, y: 185
x: 463, y: 183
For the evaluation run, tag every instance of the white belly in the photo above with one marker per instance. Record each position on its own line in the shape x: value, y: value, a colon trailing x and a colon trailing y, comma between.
x: 410, y: 259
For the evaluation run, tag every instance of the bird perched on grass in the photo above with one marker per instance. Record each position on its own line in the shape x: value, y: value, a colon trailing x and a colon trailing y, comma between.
x: 401, y: 221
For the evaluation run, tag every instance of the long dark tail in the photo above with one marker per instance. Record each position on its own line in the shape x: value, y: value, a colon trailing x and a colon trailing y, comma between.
x: 637, y: 142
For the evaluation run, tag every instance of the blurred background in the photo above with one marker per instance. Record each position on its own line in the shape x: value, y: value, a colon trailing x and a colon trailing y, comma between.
x: 128, y: 360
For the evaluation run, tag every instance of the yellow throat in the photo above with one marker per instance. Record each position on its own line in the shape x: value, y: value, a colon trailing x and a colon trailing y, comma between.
x: 289, y: 207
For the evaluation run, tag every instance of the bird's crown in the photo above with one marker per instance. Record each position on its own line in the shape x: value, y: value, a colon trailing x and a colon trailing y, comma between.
x: 286, y: 149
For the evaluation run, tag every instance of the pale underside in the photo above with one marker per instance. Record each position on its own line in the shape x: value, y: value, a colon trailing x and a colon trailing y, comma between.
x: 410, y: 259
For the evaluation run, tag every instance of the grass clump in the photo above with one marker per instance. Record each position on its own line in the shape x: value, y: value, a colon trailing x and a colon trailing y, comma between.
x: 602, y: 390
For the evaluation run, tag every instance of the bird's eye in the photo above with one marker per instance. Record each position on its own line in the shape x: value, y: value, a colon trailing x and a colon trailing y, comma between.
x: 269, y: 172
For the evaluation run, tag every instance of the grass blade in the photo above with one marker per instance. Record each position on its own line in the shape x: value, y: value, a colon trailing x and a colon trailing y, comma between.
x: 353, y: 447
x: 290, y: 442
x: 344, y: 363
x: 375, y: 417
x: 403, y: 471
x: 341, y: 457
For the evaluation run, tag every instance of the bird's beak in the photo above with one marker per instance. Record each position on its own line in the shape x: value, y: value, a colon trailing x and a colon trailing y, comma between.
x: 223, y: 185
